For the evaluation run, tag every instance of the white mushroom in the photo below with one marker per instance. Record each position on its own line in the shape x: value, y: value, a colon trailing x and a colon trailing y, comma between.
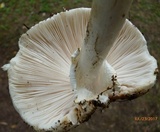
x: 53, y: 91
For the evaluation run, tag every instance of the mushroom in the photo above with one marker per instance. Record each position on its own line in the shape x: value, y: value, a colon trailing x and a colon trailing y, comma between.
x: 56, y: 84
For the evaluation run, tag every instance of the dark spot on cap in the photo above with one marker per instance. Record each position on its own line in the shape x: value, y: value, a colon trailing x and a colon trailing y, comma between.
x: 156, y: 71
x: 87, y: 32
x: 76, y: 109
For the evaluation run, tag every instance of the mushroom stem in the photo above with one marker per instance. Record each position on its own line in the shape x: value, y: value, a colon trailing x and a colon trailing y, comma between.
x: 91, y: 71
x: 107, y: 18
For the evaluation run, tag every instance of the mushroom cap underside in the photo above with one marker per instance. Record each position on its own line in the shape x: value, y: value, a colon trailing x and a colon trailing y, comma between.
x: 39, y: 81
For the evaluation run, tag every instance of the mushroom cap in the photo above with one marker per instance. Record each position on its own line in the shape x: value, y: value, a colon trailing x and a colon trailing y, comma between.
x: 39, y: 81
x: 133, y: 63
